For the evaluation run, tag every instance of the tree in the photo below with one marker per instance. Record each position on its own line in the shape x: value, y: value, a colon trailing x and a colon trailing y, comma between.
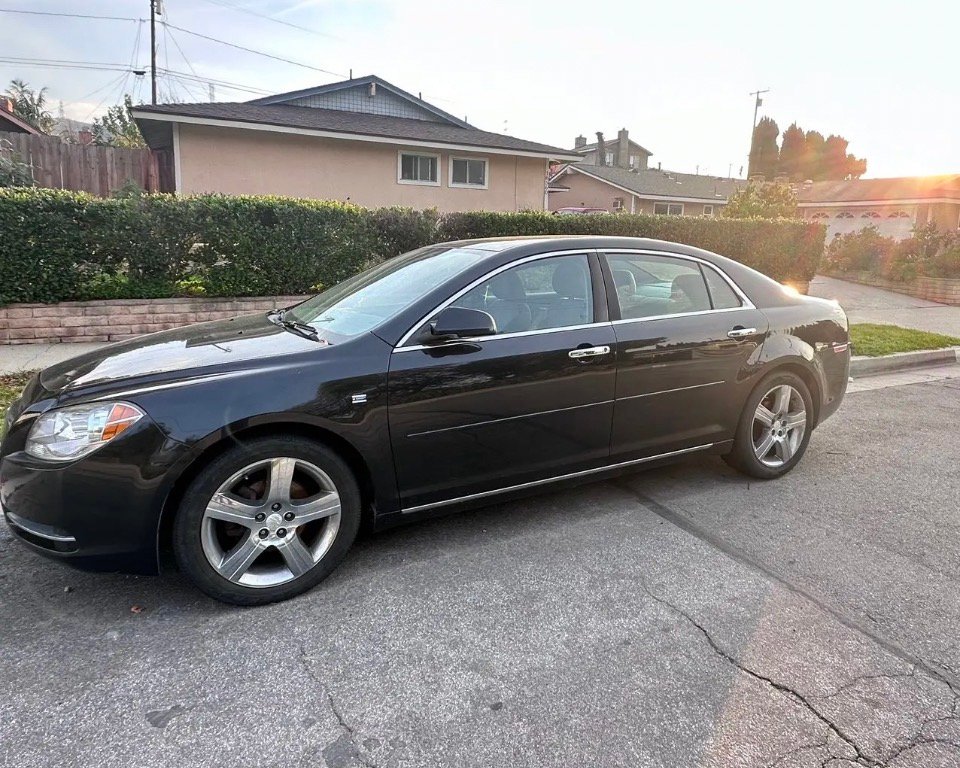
x: 30, y: 105
x: 117, y: 127
x: 838, y: 163
x: 812, y: 166
x: 807, y: 155
x: 761, y: 200
x: 793, y: 153
x: 764, y: 154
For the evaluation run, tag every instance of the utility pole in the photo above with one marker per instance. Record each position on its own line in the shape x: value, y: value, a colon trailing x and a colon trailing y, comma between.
x: 753, y: 128
x: 213, y: 93
x: 153, y: 50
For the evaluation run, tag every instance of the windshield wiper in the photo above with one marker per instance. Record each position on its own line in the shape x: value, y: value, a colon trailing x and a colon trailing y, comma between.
x: 304, y: 329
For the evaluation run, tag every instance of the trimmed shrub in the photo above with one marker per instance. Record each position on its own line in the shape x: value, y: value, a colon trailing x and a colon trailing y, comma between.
x: 929, y: 252
x: 57, y: 245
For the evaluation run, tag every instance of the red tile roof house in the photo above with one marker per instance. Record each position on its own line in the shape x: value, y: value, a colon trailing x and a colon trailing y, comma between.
x: 894, y: 206
x: 361, y: 140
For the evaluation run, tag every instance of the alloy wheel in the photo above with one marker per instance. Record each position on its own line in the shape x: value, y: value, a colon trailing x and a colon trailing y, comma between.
x: 779, y: 425
x: 271, y: 522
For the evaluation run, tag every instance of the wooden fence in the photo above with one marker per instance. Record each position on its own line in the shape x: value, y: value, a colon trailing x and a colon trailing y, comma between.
x: 89, y: 168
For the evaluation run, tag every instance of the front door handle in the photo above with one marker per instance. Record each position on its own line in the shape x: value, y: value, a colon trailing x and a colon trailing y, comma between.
x: 576, y: 354
x: 739, y: 332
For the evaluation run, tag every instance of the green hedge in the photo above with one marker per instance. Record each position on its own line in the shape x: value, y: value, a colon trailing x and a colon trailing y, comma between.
x: 57, y: 246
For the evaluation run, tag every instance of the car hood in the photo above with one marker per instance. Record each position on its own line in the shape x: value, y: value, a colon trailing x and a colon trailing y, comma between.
x: 216, y: 345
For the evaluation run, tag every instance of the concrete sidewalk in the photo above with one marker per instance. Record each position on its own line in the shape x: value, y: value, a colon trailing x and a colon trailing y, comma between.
x: 15, y: 358
x: 865, y: 304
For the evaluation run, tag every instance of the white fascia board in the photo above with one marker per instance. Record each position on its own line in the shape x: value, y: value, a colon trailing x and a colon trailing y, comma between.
x: 269, y: 127
x: 874, y: 203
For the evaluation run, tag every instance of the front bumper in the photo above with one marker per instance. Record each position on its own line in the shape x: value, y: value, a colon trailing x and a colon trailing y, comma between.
x: 98, y: 513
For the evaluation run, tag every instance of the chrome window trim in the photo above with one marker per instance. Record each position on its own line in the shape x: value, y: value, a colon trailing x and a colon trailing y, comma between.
x: 489, y: 275
x: 556, y: 478
x: 513, y: 335
x: 678, y: 314
x: 747, y: 304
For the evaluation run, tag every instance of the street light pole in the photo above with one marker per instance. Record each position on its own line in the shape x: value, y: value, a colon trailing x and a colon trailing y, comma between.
x: 153, y: 51
x: 753, y: 128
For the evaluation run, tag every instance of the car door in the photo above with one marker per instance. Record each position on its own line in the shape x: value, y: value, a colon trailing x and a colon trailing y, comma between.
x: 534, y: 401
x: 686, y: 335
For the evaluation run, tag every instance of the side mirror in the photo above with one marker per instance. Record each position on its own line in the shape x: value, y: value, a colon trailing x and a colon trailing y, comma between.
x: 461, y: 322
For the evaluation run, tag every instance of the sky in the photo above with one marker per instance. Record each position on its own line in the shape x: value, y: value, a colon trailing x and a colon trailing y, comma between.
x: 678, y: 76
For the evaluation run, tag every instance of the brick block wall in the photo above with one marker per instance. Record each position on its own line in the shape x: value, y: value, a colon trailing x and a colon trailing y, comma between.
x: 115, y: 320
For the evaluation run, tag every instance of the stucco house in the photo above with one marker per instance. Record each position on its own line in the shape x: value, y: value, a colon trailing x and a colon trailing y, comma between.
x: 618, y: 180
x: 362, y: 140
x: 893, y: 205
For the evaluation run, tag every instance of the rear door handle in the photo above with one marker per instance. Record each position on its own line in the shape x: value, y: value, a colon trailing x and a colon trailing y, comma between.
x: 576, y: 354
x: 739, y: 333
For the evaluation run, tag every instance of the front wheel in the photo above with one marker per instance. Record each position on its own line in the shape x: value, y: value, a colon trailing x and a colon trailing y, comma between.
x: 774, y: 428
x: 267, y: 520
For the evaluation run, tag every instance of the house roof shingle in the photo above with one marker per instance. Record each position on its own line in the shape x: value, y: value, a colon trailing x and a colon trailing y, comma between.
x: 657, y: 183
x: 878, y: 190
x: 336, y: 121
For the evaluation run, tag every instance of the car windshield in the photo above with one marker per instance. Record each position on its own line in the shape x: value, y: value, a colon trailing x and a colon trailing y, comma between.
x: 365, y: 300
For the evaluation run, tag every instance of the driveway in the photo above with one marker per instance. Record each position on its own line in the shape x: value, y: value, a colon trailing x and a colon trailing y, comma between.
x: 685, y: 616
x: 865, y: 304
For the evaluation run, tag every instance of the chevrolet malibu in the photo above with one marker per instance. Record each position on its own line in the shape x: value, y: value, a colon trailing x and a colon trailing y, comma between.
x: 255, y: 448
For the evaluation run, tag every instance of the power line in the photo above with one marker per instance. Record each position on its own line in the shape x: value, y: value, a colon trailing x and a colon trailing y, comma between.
x: 252, y: 50
x: 69, y: 15
x: 272, y: 18
x: 55, y: 64
x: 224, y: 83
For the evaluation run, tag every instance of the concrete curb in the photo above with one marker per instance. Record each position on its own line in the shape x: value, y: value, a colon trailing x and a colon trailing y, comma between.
x: 867, y: 366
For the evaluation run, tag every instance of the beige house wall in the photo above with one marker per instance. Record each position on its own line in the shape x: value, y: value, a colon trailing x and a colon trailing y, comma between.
x: 587, y: 192
x: 237, y: 161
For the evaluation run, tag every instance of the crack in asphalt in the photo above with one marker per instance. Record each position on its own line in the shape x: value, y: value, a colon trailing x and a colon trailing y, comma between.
x: 688, y: 526
x: 792, y: 694
x: 348, y: 729
x: 941, y: 676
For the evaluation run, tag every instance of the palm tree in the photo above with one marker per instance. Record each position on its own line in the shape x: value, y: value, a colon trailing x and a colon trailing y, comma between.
x: 30, y: 105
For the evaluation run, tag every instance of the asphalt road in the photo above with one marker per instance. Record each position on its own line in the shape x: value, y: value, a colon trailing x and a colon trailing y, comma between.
x: 680, y: 617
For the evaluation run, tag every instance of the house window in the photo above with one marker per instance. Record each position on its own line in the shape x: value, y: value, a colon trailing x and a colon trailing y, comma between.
x: 468, y: 172
x: 609, y: 158
x: 844, y: 215
x: 634, y: 161
x: 870, y: 215
x: 618, y: 203
x: 418, y: 169
x: 668, y: 209
x: 820, y: 215
x: 708, y: 210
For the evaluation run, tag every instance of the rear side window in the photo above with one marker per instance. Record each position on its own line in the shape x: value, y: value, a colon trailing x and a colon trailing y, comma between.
x: 652, y: 286
x: 720, y: 291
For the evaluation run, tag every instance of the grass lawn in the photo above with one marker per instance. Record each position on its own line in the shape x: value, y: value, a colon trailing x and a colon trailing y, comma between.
x: 873, y: 340
x: 10, y: 387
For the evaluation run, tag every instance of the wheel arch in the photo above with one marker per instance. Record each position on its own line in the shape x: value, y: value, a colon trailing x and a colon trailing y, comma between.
x: 212, y: 448
x: 806, y: 375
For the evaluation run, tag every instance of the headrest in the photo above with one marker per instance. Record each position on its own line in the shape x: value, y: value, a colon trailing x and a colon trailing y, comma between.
x: 692, y: 288
x: 507, y: 286
x: 625, y: 281
x: 570, y: 280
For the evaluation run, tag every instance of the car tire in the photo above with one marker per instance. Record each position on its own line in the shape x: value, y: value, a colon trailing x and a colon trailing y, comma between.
x: 267, y: 520
x: 765, y: 447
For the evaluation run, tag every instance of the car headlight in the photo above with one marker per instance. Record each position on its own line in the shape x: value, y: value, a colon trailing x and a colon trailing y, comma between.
x: 66, y: 434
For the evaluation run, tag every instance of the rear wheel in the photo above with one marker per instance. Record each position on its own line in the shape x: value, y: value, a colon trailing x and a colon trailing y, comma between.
x: 774, y: 428
x: 267, y: 520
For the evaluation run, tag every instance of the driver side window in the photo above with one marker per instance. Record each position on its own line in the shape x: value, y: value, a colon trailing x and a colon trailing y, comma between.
x: 549, y: 293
